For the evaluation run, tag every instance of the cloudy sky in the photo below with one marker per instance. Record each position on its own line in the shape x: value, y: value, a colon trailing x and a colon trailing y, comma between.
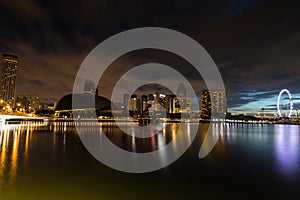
x: 255, y: 44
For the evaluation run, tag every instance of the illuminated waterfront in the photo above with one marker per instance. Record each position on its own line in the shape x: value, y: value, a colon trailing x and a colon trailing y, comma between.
x: 48, y: 161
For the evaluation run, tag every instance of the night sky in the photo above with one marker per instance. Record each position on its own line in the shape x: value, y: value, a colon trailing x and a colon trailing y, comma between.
x: 255, y: 44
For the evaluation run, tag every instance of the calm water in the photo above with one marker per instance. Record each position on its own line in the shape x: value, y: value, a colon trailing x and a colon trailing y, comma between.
x: 48, y: 161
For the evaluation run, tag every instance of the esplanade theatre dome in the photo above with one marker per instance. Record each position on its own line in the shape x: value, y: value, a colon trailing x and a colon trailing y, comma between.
x: 65, y: 103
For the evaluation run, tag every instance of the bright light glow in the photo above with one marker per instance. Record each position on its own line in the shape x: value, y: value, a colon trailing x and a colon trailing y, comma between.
x: 290, y: 101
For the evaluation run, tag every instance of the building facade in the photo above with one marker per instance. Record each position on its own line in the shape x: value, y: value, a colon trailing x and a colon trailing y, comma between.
x: 8, y: 79
x: 133, y: 103
x: 28, y: 103
x: 213, y: 104
x: 184, y: 102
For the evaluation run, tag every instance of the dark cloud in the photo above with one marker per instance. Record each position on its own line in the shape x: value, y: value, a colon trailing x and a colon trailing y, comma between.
x: 255, y: 44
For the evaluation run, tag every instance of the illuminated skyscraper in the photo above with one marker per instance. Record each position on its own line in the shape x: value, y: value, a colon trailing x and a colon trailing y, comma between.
x: 181, y: 91
x: 144, y: 102
x: 8, y: 78
x: 183, y: 100
x: 133, y: 105
x: 171, y: 103
x: 126, y: 101
x: 213, y: 104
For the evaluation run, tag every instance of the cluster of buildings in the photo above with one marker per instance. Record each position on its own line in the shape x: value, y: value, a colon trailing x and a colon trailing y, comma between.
x: 171, y: 104
x: 212, y: 104
x: 9, y: 101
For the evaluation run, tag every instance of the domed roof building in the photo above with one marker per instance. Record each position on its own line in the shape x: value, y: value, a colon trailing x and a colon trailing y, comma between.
x: 65, y: 103
x: 64, y: 106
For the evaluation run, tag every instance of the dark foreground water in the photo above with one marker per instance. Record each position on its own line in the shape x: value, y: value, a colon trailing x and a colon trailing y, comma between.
x: 249, y: 162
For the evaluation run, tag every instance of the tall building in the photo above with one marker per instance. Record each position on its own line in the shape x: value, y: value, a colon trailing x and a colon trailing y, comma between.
x: 133, y: 103
x: 213, y: 104
x: 183, y: 100
x: 144, y: 102
x: 181, y: 91
x: 126, y: 101
x: 158, y: 102
x: 171, y: 103
x: 8, y: 78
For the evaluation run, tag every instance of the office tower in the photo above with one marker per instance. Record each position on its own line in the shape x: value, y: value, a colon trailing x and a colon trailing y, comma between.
x: 213, y: 104
x: 126, y: 101
x: 181, y: 91
x: 171, y: 103
x: 8, y: 79
x: 159, y: 102
x: 144, y: 103
x: 133, y: 103
x: 184, y: 104
x: 183, y: 100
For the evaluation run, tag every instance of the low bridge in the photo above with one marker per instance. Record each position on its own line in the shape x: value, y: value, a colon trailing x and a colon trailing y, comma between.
x: 12, y: 119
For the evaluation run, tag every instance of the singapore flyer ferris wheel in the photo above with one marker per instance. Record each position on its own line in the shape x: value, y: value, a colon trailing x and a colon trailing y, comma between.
x: 289, y: 106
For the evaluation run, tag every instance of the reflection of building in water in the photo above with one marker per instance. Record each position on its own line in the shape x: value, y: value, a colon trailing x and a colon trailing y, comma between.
x: 287, y: 149
x: 213, y: 104
x: 14, y: 145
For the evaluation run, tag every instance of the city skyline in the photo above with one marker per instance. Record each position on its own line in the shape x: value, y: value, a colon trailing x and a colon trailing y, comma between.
x: 254, y: 44
x: 90, y: 87
x: 145, y: 99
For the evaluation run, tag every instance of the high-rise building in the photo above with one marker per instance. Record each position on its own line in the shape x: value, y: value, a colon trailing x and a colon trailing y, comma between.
x: 133, y: 103
x: 159, y: 102
x: 144, y: 102
x: 8, y: 78
x: 171, y: 103
x: 181, y: 91
x: 183, y: 100
x: 126, y: 101
x: 213, y: 104
x: 184, y: 104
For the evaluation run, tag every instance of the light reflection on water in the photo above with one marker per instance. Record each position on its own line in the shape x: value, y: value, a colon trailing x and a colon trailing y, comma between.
x: 14, y: 144
x: 280, y: 143
x: 287, y: 149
